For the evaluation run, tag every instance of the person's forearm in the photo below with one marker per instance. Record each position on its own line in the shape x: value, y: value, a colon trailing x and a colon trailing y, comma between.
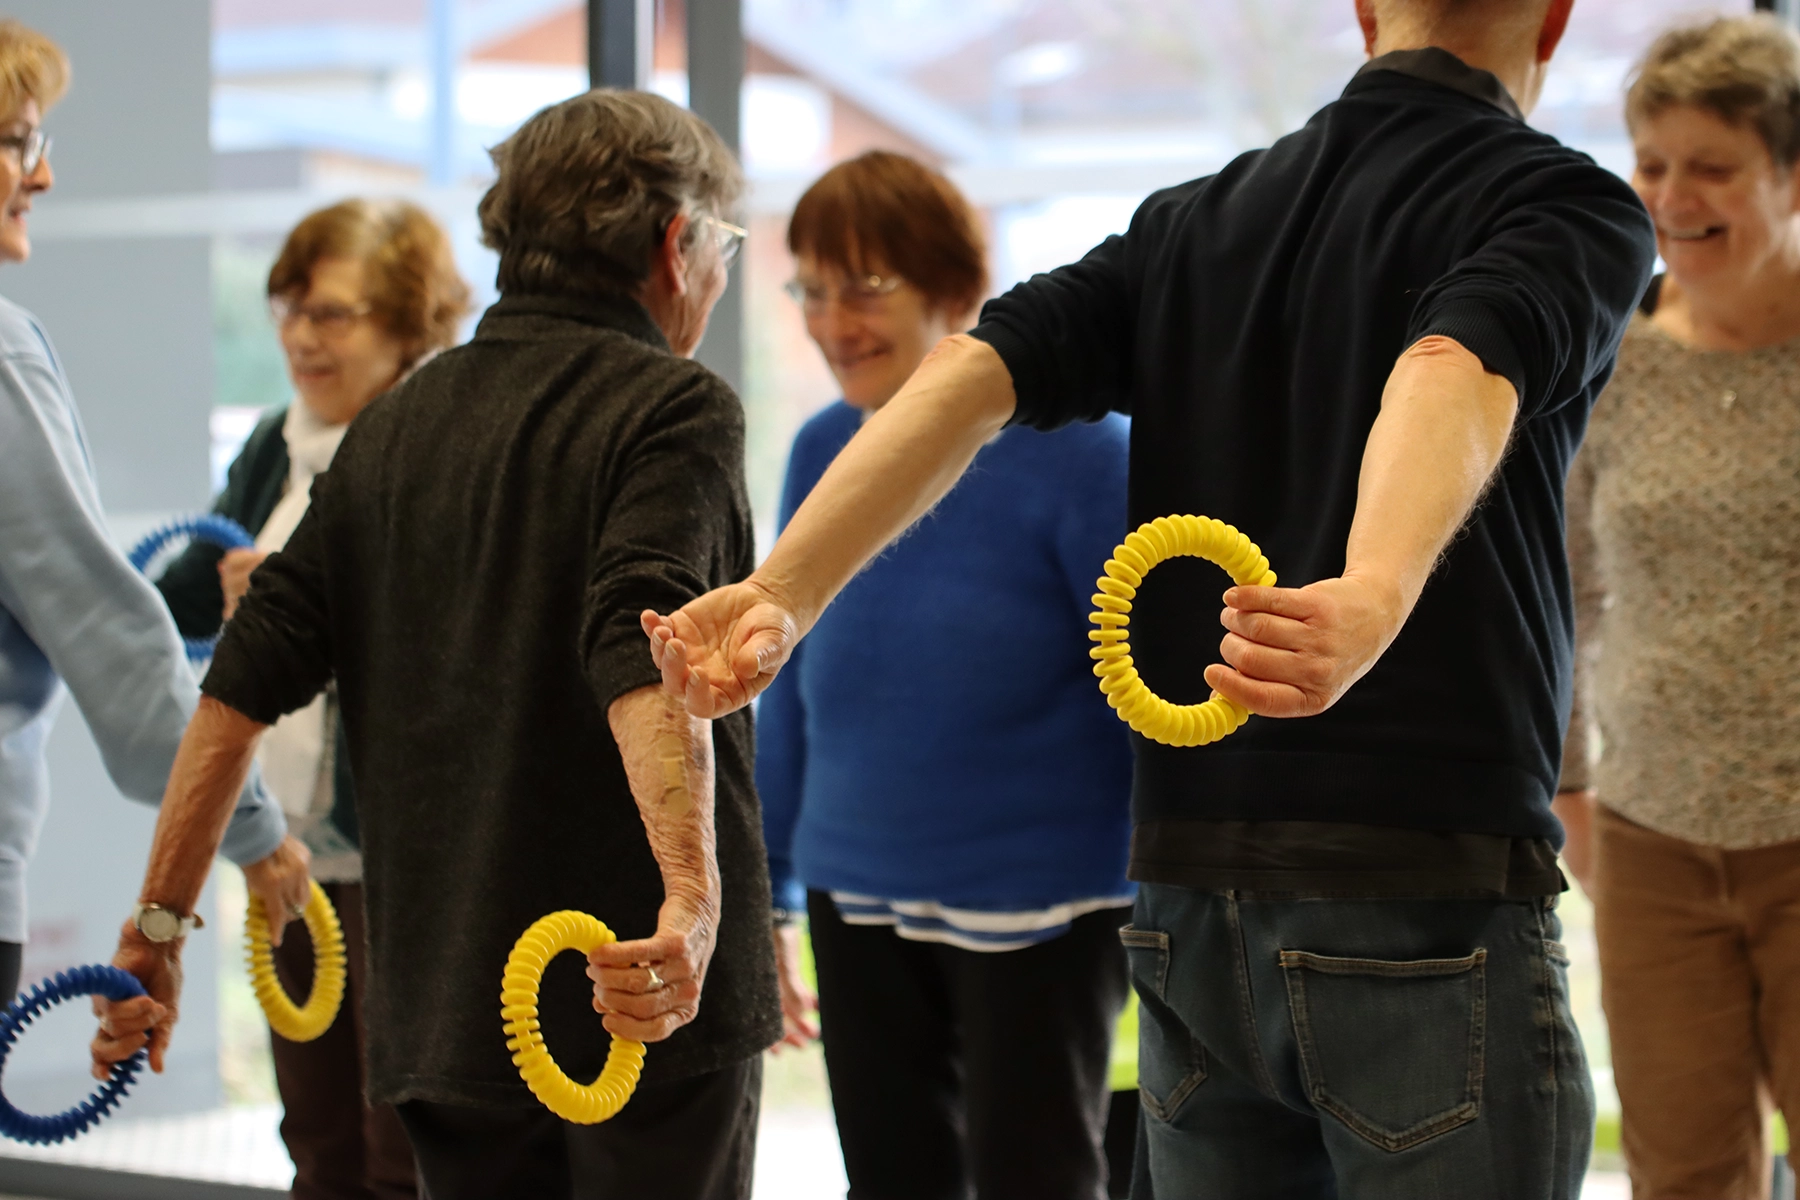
x: 668, y: 759
x: 903, y: 461
x: 1443, y: 426
x: 209, y: 772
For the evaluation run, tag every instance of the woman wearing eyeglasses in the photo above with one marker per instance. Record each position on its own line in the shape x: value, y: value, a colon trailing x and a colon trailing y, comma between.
x: 955, y: 823
x: 361, y: 293
x: 74, y: 613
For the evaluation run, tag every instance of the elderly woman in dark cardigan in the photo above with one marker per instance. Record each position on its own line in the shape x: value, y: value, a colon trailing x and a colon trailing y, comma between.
x: 362, y: 292
x: 470, y: 572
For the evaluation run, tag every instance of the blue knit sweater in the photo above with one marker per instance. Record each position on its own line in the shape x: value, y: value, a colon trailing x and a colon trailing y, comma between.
x: 939, y: 735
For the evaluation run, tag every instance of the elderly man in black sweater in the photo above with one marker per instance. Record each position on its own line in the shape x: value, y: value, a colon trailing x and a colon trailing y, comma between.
x: 470, y: 571
x: 1373, y: 347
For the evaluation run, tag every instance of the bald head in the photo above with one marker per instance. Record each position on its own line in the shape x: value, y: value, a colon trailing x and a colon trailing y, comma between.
x: 1511, y: 38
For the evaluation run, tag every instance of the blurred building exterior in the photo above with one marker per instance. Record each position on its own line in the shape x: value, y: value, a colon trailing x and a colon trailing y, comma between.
x: 1057, y: 116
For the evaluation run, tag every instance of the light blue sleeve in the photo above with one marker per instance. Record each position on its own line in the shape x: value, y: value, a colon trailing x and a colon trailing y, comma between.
x: 101, y: 625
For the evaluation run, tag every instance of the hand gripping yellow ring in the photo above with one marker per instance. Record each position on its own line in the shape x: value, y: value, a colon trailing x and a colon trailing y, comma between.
x: 1142, y: 549
x: 583, y: 1105
x: 299, y: 1024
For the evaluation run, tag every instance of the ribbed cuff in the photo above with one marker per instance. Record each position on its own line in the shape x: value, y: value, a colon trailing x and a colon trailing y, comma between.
x: 1020, y: 364
x: 788, y: 893
x: 1481, y: 331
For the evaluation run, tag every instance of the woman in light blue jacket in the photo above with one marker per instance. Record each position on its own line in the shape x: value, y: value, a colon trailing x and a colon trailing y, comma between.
x: 72, y: 609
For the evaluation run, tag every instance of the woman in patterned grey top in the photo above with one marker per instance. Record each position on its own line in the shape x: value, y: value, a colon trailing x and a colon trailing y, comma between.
x: 1684, y: 538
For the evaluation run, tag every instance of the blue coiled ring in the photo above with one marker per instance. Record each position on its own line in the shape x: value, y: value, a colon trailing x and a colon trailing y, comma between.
x: 110, y: 982
x: 211, y: 528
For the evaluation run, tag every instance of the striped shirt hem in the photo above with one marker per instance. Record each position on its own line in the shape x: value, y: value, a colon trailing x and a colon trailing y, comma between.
x: 969, y: 928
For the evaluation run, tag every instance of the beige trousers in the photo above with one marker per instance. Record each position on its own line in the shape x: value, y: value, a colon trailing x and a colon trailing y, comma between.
x: 1700, y: 979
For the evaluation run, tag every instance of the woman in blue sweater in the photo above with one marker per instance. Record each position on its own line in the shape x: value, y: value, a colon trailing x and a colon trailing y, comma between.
x: 956, y: 828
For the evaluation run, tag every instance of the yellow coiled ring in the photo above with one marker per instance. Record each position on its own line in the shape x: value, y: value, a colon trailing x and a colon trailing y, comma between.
x: 584, y: 1105
x: 299, y: 1024
x: 1142, y: 549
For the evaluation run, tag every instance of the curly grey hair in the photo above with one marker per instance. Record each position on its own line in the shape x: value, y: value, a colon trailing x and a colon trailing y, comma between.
x: 587, y: 189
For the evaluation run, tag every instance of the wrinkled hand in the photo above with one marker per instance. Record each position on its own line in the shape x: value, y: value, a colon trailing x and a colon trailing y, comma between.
x: 234, y: 574
x: 799, y: 1003
x: 126, y: 1026
x: 718, y: 651
x: 283, y: 882
x: 1295, y: 651
x: 636, y: 1006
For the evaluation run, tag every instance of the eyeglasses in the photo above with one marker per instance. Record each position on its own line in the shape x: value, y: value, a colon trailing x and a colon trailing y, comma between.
x: 861, y: 294
x: 731, y: 237
x: 29, y: 149
x: 327, y: 320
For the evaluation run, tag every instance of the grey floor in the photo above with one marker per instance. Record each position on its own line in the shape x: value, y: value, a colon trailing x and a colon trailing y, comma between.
x: 797, y: 1155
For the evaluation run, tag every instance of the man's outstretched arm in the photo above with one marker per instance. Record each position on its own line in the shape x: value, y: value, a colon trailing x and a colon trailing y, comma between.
x: 722, y: 649
x: 1443, y: 427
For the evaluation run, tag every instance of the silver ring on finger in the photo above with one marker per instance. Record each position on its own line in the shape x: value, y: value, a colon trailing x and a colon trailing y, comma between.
x: 656, y: 981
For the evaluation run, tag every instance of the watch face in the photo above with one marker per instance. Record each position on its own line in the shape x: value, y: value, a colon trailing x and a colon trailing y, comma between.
x: 160, y: 925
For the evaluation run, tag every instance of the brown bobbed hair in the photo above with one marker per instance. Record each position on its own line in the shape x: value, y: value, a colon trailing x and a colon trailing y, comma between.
x: 414, y: 288
x: 1743, y: 70
x: 883, y: 213
x: 587, y: 189
x: 32, y: 67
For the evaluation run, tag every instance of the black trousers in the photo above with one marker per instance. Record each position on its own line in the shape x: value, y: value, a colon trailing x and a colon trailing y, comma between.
x: 694, y: 1139
x: 11, y: 953
x: 343, y: 1148
x: 960, y: 1073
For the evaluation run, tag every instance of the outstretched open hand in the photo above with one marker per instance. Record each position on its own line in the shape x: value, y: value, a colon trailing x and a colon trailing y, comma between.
x: 718, y: 651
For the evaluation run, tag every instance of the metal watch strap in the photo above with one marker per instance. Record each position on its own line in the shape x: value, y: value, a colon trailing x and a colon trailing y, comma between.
x: 183, y: 925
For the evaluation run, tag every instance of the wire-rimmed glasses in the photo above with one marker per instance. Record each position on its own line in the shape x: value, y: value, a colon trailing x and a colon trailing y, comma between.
x: 29, y: 149
x: 860, y: 293
x: 328, y: 320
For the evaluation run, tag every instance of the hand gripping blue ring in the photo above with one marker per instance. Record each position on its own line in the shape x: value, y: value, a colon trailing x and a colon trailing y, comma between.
x: 110, y: 982
x: 211, y: 528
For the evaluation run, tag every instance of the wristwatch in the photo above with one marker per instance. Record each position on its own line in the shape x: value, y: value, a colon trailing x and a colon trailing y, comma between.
x: 161, y: 924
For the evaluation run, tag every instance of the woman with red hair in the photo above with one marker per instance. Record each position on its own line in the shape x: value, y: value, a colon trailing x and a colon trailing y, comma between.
x: 955, y: 828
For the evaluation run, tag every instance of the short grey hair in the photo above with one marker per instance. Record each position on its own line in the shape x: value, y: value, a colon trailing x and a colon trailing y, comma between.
x: 1743, y: 70
x: 588, y: 187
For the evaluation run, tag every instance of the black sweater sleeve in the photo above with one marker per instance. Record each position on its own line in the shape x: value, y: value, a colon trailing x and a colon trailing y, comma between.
x: 677, y: 525
x: 1065, y: 338
x: 1543, y: 299
x: 275, y: 655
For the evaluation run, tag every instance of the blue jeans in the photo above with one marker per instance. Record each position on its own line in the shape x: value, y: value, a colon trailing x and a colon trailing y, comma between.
x: 1355, y: 1049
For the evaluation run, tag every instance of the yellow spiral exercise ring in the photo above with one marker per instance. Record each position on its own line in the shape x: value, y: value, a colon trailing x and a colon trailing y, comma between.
x: 1142, y: 549
x: 582, y: 1104
x: 321, y: 1009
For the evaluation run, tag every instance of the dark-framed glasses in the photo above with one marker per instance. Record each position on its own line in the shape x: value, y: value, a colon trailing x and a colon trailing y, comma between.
x: 861, y: 293
x: 29, y: 149
x: 328, y: 320
x: 731, y: 237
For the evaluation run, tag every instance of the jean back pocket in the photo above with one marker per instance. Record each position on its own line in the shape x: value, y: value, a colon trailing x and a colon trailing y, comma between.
x: 1171, y: 1062
x: 1394, y: 1050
